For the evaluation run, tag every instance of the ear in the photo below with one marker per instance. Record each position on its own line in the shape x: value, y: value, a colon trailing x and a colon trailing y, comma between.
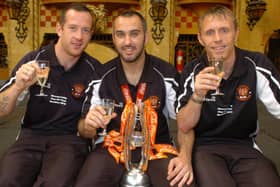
x: 147, y: 36
x: 58, y: 29
x: 200, y: 39
x: 236, y: 35
x: 113, y: 37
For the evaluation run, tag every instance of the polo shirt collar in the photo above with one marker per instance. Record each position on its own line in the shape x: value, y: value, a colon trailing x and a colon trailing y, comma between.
x: 54, y: 61
x: 146, y: 76
x: 51, y: 55
x: 240, y: 65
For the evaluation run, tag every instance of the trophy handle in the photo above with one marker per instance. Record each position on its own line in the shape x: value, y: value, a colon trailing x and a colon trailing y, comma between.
x: 136, y: 136
x: 146, y: 146
x: 128, y: 127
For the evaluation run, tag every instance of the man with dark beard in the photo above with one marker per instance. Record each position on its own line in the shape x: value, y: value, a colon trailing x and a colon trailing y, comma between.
x: 134, y: 76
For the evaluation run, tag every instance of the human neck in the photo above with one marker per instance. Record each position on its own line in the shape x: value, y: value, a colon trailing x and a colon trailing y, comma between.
x: 65, y: 60
x: 228, y: 66
x: 133, y: 70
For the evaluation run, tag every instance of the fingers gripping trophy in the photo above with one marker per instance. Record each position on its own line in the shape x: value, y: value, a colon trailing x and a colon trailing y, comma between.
x: 136, y: 136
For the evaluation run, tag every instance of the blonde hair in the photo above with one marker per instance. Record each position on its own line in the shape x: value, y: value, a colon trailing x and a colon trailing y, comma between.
x: 218, y: 10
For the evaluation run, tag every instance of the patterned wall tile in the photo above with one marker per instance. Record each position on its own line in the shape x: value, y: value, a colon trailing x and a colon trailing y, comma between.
x: 3, y: 17
x: 50, y: 15
x: 185, y: 19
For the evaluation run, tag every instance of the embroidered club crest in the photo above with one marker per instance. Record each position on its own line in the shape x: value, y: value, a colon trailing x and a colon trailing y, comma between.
x: 78, y: 90
x: 155, y: 102
x: 243, y: 93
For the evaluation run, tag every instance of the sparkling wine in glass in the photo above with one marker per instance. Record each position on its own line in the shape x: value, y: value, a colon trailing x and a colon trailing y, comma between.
x: 108, y: 105
x: 218, y: 64
x: 42, y: 75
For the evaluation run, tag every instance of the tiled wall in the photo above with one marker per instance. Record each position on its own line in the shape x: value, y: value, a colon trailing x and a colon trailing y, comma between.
x: 50, y: 15
x: 3, y: 17
x: 185, y: 20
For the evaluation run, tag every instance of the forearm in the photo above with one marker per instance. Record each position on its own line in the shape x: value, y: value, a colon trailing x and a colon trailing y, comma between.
x: 185, y: 143
x: 8, y: 100
x: 189, y: 115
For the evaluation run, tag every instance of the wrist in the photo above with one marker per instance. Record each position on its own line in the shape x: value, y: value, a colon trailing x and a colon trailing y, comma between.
x: 197, y: 99
x: 17, y: 89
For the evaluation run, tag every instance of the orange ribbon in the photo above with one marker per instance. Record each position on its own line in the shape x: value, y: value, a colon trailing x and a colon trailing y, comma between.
x: 114, y: 141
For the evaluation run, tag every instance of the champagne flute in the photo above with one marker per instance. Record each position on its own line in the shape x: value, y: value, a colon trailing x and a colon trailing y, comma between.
x: 218, y: 63
x: 108, y: 105
x: 42, y: 74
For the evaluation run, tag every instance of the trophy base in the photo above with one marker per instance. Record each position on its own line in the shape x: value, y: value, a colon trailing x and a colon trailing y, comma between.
x: 135, y: 178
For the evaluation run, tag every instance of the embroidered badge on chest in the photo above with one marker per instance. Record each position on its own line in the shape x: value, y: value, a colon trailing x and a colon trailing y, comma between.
x: 155, y: 102
x: 78, y: 90
x: 243, y: 93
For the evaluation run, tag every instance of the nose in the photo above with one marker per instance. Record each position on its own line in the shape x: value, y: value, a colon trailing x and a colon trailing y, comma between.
x: 217, y: 37
x: 127, y: 39
x: 79, y: 34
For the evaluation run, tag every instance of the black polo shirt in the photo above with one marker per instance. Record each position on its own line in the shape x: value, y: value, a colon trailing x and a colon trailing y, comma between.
x: 161, y: 82
x: 234, y: 117
x: 59, y: 112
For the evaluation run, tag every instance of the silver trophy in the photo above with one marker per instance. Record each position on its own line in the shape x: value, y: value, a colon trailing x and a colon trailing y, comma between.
x: 136, y: 137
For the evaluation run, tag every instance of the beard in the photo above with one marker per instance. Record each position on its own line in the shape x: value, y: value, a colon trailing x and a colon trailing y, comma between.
x: 134, y: 57
x: 131, y: 59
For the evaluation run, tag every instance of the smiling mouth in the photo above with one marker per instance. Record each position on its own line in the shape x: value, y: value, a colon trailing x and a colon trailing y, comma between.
x: 219, y: 49
x: 77, y: 45
x: 128, y: 50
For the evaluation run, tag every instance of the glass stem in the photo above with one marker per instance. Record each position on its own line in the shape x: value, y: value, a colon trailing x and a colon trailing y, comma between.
x: 41, y: 90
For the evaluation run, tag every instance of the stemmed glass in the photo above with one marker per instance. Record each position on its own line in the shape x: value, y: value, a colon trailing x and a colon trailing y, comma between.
x: 42, y: 74
x: 108, y: 105
x: 218, y: 63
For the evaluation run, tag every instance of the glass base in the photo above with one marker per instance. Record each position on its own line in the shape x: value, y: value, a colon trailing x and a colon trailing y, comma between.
x: 217, y: 93
x: 103, y: 133
x: 41, y: 95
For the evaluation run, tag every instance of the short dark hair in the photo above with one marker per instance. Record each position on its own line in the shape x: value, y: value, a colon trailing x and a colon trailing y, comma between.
x: 130, y: 13
x: 218, y: 10
x: 80, y: 7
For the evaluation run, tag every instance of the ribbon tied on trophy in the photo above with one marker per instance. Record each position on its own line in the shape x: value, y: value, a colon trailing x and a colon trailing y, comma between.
x: 115, y: 141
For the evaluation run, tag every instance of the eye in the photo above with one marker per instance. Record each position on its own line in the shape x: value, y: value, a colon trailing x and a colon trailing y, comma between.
x: 225, y: 30
x: 209, y: 32
x: 73, y: 28
x: 120, y: 34
x: 86, y: 30
x: 134, y: 34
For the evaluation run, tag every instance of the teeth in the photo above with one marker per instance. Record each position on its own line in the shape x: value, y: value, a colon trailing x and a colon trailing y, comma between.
x: 218, y: 48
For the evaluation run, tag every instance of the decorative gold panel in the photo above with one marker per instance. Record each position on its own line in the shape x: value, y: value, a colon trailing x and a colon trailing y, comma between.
x: 200, y: 6
x: 91, y: 1
x: 184, y: 2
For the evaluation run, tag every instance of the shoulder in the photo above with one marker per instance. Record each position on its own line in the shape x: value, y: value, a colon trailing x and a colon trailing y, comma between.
x: 161, y: 66
x: 32, y: 55
x: 255, y: 58
x: 194, y: 66
x: 92, y: 63
x: 252, y: 56
x: 110, y: 66
x: 111, y: 63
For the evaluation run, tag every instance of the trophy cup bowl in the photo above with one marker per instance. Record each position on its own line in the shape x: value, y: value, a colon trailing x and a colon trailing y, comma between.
x: 136, y: 137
